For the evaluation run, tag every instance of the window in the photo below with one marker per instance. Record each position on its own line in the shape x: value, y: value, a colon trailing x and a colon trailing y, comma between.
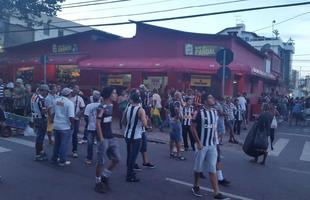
x: 25, y: 73
x: 67, y: 74
x: 46, y: 28
x: 60, y: 32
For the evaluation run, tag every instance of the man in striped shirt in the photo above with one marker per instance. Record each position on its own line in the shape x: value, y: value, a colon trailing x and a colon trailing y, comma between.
x: 187, y: 111
x: 1, y: 92
x: 204, y: 129
x: 136, y: 121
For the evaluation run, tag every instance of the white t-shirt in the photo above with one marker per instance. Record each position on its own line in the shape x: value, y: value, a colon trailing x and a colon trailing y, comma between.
x: 78, y: 103
x: 91, y: 112
x: 242, y: 103
x: 157, y: 98
x: 64, y: 110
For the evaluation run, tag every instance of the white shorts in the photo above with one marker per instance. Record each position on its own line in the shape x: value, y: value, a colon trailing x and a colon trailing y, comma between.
x: 205, y: 159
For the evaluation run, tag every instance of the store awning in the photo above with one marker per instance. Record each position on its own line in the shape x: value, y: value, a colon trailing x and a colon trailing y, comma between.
x: 262, y: 74
x: 153, y: 64
x: 52, y: 59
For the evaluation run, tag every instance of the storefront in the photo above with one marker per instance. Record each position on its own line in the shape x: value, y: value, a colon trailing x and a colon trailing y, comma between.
x: 158, y: 57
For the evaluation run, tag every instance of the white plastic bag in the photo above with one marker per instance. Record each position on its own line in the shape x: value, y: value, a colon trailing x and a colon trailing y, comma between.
x: 29, y: 131
x: 274, y: 123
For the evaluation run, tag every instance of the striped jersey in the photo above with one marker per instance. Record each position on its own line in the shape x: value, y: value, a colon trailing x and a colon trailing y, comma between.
x: 238, y: 113
x: 38, y: 108
x: 104, y: 113
x: 134, y: 127
x: 1, y: 90
x: 187, y: 112
x: 206, y: 120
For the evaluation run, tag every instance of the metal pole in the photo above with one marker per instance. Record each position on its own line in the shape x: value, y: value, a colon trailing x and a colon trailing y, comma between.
x: 223, y: 78
x: 44, y: 62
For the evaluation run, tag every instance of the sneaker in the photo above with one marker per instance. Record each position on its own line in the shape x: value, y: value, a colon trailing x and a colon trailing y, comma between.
x: 88, y: 162
x: 137, y: 168
x: 224, y: 182
x: 105, y: 183
x: 133, y: 179
x: 149, y: 165
x: 75, y: 155
x: 99, y: 188
x: 95, y: 142
x: 66, y: 163
x: 82, y: 141
x: 41, y: 157
x: 220, y: 196
x: 196, y: 191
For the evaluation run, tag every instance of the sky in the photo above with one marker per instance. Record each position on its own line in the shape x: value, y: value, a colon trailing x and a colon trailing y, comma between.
x: 297, y: 28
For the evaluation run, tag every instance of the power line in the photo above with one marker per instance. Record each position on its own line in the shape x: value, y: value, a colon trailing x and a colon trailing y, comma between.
x: 154, y: 12
x: 93, y: 4
x: 179, y: 17
x: 308, y: 54
x: 83, y: 2
x: 119, y: 7
x: 281, y: 22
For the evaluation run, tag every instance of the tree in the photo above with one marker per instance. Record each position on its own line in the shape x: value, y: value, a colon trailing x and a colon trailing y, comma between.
x: 29, y: 10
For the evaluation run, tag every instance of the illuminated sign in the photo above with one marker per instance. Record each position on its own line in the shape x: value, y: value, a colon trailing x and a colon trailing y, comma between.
x: 65, y: 48
x: 201, y: 50
x: 201, y: 80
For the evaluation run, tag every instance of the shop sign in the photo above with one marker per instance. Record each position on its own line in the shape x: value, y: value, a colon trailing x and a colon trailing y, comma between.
x: 115, y: 80
x: 201, y: 50
x: 201, y: 80
x: 155, y: 81
x: 261, y: 73
x: 65, y: 48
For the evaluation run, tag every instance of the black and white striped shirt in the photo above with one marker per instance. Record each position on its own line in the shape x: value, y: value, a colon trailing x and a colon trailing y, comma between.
x: 206, y: 120
x: 38, y: 106
x: 187, y: 112
x: 134, y: 128
x: 1, y: 90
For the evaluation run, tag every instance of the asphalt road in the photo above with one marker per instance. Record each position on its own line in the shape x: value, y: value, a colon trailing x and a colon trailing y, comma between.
x: 286, y: 175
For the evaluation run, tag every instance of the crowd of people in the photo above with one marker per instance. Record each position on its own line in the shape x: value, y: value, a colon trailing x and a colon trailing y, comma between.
x: 197, y: 121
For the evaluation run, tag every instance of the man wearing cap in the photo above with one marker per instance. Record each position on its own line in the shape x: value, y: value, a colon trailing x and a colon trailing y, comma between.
x: 63, y: 120
x: 49, y: 102
x: 91, y: 115
x: 39, y: 115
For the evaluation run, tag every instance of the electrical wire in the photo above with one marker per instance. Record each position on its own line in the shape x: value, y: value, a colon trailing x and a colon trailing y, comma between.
x: 83, y: 2
x: 155, y: 12
x: 281, y: 22
x: 93, y: 4
x: 176, y: 18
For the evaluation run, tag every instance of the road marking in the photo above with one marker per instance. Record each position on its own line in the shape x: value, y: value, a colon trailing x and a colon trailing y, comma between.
x: 291, y: 134
x: 207, y: 189
x: 20, y: 141
x: 278, y: 147
x: 2, y: 150
x: 305, y: 156
x: 295, y: 170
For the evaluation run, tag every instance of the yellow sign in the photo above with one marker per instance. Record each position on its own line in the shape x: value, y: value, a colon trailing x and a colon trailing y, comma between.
x: 200, y: 80
x: 116, y: 80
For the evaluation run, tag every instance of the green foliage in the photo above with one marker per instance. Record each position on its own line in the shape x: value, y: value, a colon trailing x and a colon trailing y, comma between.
x: 28, y: 10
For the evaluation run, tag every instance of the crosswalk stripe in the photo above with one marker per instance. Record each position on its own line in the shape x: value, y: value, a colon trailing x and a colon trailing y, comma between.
x: 278, y: 147
x: 2, y: 150
x: 20, y: 141
x: 305, y: 156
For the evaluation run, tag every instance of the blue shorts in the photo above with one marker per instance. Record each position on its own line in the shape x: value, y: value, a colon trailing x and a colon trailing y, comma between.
x: 221, y: 126
x: 205, y: 159
x: 176, y: 131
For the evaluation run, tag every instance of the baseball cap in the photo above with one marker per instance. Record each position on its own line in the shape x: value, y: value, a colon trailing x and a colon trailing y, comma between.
x: 20, y: 81
x: 44, y: 87
x: 66, y: 91
x: 96, y: 94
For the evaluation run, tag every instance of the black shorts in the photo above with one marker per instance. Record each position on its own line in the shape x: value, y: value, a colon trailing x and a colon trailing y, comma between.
x: 218, y: 153
x: 143, y: 148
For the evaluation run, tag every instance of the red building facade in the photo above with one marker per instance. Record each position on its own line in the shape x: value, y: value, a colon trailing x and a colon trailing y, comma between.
x: 158, y: 57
